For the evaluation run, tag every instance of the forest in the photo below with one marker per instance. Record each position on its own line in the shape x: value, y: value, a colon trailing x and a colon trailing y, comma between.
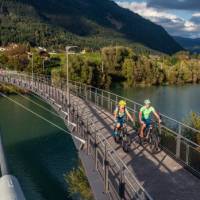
x: 109, y: 65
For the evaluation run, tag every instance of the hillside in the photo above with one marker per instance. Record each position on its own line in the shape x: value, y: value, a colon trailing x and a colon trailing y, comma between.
x: 90, y: 23
x: 192, y: 45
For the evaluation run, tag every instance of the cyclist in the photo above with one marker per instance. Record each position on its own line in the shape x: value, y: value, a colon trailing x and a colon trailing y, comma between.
x: 120, y: 115
x: 145, y: 116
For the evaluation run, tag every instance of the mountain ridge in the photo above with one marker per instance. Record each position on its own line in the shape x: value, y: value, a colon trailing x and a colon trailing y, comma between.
x: 85, y: 20
x: 190, y: 44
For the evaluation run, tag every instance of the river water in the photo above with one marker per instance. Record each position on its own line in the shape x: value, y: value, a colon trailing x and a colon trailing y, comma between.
x: 38, y: 154
x: 174, y: 101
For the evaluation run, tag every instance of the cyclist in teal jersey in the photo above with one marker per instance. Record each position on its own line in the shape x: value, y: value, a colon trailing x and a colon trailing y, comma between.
x: 145, y: 116
x: 121, y: 114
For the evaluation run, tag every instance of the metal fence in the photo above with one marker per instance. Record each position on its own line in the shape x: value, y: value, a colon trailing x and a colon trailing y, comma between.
x: 177, y: 138
x: 119, y: 181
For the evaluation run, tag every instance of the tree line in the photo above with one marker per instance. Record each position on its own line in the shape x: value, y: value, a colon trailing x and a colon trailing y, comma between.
x: 133, y: 69
x: 111, y: 64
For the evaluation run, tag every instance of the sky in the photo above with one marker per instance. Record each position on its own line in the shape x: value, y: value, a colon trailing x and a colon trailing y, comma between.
x: 178, y: 17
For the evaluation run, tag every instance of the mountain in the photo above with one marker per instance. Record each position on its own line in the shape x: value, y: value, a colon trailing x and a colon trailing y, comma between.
x: 192, y: 45
x: 89, y: 23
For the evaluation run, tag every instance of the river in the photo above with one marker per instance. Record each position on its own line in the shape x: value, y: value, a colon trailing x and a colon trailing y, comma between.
x: 174, y: 101
x: 38, y: 154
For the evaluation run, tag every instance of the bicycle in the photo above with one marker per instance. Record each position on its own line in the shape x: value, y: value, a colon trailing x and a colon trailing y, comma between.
x: 152, y: 136
x: 122, y: 137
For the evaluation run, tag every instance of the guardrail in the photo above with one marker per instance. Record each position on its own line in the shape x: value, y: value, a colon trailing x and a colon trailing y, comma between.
x: 119, y: 182
x: 173, y: 132
x: 174, y: 138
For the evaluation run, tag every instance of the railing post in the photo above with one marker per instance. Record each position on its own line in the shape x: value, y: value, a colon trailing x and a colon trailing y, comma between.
x: 134, y: 111
x: 116, y: 100
x: 108, y: 101
x: 178, y: 142
x: 90, y: 93
x: 95, y: 98
x: 187, y: 153
x: 96, y: 152
x: 122, y: 184
x: 88, y: 138
x: 85, y: 89
x: 80, y: 88
x: 111, y: 105
x: 106, y: 166
x: 102, y: 98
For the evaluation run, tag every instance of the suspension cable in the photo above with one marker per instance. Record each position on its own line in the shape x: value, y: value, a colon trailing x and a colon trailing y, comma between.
x: 39, y: 105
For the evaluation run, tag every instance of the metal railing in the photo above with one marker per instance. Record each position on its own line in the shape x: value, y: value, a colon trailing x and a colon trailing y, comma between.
x: 175, y: 135
x: 119, y: 181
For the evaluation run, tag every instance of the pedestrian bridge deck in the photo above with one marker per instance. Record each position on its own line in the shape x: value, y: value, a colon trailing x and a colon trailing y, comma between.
x: 161, y: 175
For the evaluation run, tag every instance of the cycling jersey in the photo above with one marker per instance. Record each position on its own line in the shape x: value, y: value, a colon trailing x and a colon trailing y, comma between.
x: 121, y: 116
x: 146, y: 112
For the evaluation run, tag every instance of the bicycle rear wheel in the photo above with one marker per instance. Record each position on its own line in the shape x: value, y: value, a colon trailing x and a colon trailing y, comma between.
x: 126, y: 142
x: 153, y: 142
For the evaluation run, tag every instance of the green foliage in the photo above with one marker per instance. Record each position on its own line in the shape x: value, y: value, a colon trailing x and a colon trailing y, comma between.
x: 78, y: 184
x: 145, y: 69
x: 10, y: 89
x: 193, y: 120
x: 17, y: 58
x: 129, y: 71
x: 111, y: 64
x: 85, y: 70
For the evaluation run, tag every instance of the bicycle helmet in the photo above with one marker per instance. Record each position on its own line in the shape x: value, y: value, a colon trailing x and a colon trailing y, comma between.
x: 147, y: 101
x: 122, y: 103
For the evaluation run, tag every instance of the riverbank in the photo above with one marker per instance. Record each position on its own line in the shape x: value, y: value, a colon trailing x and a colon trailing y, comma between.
x: 10, y: 89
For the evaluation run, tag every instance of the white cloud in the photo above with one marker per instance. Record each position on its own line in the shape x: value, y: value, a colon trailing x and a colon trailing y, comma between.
x: 196, y: 15
x: 175, y: 25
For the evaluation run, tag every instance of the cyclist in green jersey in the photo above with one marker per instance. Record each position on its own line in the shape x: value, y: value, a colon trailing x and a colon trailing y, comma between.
x: 145, y: 116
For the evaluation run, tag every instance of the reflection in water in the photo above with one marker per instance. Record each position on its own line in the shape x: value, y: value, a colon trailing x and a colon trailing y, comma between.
x: 38, y: 153
x: 174, y: 101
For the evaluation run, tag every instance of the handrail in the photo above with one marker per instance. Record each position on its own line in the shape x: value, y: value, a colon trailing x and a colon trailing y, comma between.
x: 124, y: 98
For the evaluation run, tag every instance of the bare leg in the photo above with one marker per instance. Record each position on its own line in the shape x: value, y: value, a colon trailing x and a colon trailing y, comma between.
x: 118, y: 126
x: 143, y: 126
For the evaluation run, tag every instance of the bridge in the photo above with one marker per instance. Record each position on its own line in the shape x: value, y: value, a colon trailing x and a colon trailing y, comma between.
x: 170, y: 174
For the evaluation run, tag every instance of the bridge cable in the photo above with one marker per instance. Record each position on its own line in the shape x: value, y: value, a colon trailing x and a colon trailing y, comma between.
x: 41, y: 117
x: 39, y: 105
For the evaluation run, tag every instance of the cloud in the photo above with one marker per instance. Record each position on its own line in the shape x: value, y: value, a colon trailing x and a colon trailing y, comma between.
x: 196, y: 18
x: 175, y: 25
x: 175, y: 4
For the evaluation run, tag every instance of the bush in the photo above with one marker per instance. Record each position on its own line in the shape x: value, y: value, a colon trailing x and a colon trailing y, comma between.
x: 78, y: 184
